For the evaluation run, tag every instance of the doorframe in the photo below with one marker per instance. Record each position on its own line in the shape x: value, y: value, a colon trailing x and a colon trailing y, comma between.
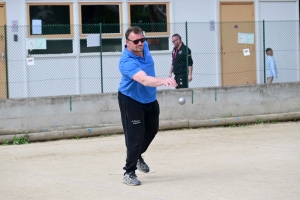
x: 5, y: 49
x: 250, y: 2
x: 4, y: 5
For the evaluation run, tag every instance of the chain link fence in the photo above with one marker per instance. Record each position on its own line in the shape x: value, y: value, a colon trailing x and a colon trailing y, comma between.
x: 41, y: 61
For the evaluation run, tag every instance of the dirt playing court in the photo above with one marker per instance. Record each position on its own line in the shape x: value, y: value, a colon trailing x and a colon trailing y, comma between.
x: 250, y: 162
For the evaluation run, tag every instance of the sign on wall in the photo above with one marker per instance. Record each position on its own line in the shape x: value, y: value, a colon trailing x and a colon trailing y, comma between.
x: 212, y: 25
x: 36, y: 26
x: 93, y: 40
x: 14, y: 26
x: 246, y: 38
x: 36, y: 43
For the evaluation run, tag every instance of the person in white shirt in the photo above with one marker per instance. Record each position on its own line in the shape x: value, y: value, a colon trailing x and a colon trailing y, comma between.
x: 271, y: 66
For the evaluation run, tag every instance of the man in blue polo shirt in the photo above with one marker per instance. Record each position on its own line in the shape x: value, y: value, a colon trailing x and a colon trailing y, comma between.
x: 137, y: 101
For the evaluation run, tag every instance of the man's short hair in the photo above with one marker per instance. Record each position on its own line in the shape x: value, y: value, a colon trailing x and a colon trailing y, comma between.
x: 177, y: 35
x: 134, y: 29
x: 268, y: 50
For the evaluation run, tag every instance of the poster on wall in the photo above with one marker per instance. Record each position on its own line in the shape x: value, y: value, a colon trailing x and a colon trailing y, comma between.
x: 36, y: 26
x: 212, y: 25
x: 93, y: 40
x: 246, y: 38
x: 36, y: 43
x: 30, y: 61
x: 246, y: 52
x: 14, y: 26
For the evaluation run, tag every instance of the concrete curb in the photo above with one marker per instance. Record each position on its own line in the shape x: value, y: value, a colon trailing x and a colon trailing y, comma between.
x: 164, y: 125
x: 66, y: 134
x: 244, y: 120
x: 53, y: 129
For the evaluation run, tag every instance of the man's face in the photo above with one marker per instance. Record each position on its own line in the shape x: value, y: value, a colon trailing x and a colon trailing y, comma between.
x: 130, y: 42
x: 176, y: 41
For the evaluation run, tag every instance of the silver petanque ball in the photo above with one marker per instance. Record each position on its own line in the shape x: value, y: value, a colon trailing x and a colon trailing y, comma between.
x: 181, y: 100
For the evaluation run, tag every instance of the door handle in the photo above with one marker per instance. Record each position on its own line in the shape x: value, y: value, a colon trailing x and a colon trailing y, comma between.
x: 3, y: 56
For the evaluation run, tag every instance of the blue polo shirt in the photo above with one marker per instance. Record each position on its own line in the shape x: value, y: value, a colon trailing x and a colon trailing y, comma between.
x: 131, y: 64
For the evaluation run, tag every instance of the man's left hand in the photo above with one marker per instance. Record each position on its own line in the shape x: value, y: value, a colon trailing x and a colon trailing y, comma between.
x: 190, y: 78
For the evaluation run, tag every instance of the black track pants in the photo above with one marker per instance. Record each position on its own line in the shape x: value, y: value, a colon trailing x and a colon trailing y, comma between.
x: 181, y: 80
x: 140, y: 124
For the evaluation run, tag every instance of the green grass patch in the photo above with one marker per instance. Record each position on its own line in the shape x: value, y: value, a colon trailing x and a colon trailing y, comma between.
x: 20, y: 140
x: 77, y: 137
x: 17, y: 141
x: 259, y: 121
x: 230, y: 124
x: 5, y: 142
x: 273, y: 121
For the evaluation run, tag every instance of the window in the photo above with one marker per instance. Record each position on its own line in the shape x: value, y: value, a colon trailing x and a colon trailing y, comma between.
x: 92, y: 14
x: 53, y: 21
x: 161, y: 43
x: 50, y: 20
x: 109, y: 15
x: 153, y: 18
x: 55, y: 47
x: 108, y: 45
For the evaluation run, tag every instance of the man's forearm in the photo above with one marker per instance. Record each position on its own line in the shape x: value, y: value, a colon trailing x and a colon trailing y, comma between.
x: 152, y: 81
x: 190, y: 70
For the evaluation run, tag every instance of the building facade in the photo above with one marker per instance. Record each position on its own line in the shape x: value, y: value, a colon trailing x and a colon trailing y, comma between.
x: 52, y: 48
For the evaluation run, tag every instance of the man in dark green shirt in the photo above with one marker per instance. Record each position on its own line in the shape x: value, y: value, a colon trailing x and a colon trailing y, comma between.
x: 183, y: 74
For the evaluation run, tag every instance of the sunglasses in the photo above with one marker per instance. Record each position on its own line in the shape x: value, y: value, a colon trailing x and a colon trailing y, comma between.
x: 142, y: 40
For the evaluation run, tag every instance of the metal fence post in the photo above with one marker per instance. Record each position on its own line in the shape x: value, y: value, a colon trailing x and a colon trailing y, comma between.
x: 6, y: 62
x: 264, y: 47
x: 187, y: 54
x: 101, y: 66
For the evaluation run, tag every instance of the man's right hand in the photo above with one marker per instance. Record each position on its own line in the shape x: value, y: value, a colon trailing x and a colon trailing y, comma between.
x: 170, y: 82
